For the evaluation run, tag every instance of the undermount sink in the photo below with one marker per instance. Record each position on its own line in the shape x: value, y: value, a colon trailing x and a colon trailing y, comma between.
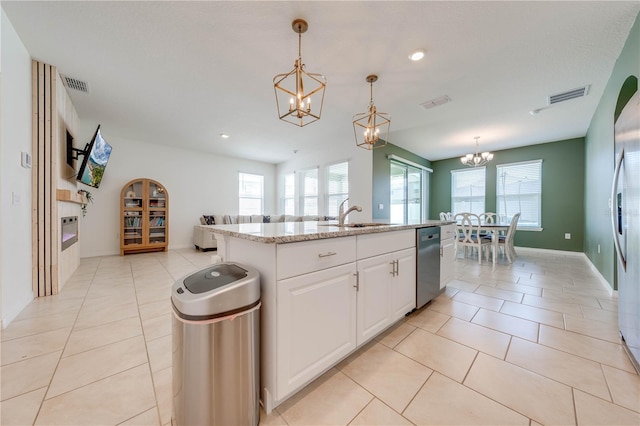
x: 355, y: 225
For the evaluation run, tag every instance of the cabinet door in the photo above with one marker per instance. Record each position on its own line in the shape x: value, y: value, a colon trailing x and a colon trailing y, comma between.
x: 156, y: 213
x: 403, y: 286
x: 316, y: 323
x: 447, y: 261
x: 132, y: 214
x: 374, y: 276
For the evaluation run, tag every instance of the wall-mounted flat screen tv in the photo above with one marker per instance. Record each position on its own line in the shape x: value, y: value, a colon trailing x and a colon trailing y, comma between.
x: 96, y: 156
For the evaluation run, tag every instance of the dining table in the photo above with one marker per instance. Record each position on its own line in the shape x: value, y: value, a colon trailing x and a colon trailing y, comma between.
x: 495, y: 229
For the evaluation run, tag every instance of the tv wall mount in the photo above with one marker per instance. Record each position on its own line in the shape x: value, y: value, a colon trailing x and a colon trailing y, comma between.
x: 76, y: 153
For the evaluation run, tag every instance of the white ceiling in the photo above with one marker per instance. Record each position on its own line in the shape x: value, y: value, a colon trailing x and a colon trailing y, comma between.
x: 180, y: 73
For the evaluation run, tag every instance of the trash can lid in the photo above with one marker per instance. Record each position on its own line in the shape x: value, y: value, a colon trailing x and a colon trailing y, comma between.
x: 215, y: 291
x: 214, y: 277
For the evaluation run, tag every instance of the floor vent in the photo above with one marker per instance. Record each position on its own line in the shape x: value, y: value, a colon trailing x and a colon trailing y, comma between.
x: 72, y: 83
x: 571, y: 94
x: 436, y: 102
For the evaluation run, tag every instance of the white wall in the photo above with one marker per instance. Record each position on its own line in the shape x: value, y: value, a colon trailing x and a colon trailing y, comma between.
x: 197, y: 183
x: 360, y: 175
x: 15, y: 137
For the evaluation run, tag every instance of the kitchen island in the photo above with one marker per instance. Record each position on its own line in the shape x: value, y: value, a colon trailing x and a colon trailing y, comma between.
x: 326, y: 291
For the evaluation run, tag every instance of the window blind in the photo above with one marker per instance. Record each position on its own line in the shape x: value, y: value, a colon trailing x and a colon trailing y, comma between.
x: 337, y: 186
x: 290, y: 193
x: 468, y: 190
x: 519, y: 189
x: 250, y: 193
x: 309, y: 197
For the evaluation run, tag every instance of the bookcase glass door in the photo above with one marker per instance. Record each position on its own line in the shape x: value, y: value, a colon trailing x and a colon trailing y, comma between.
x: 132, y: 211
x: 157, y: 213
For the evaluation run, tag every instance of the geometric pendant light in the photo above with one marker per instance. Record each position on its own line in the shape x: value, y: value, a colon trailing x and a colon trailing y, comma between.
x: 296, y: 88
x: 371, y: 128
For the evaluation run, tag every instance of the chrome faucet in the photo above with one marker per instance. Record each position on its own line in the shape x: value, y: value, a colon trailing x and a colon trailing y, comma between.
x: 342, y: 215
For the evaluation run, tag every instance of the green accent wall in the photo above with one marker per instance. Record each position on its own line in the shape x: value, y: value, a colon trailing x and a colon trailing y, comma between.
x: 562, y: 191
x: 381, y: 193
x: 599, y: 159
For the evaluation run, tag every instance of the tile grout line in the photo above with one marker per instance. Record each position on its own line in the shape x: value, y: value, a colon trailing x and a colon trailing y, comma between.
x: 44, y: 398
x: 516, y: 365
x: 153, y: 382
x: 146, y: 348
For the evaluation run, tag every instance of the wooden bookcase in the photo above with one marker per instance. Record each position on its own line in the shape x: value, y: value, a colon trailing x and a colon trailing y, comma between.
x: 144, y: 217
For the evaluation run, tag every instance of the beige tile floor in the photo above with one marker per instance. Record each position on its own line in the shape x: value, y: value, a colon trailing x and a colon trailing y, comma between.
x: 528, y: 343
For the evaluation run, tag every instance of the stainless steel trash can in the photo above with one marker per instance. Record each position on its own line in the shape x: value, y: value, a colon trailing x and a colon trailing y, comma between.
x: 216, y: 335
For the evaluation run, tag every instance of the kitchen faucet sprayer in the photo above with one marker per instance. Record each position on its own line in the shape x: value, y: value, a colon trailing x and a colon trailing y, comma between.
x: 343, y: 215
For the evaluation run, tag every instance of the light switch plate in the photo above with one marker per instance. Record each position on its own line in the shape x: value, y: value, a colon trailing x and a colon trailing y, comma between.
x: 25, y: 160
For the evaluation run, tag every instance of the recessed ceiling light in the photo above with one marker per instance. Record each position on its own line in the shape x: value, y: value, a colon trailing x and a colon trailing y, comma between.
x: 417, y: 54
x: 224, y: 135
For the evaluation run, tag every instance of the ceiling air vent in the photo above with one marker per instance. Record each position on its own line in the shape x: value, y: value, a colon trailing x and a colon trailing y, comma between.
x: 571, y: 94
x: 436, y: 102
x: 72, y: 83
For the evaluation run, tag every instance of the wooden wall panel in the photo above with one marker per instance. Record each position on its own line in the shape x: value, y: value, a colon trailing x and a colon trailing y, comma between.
x: 35, y: 164
x: 52, y: 127
x: 46, y: 240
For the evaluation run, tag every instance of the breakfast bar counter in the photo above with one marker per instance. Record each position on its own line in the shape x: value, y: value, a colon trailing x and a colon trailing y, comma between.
x: 289, y: 232
x: 326, y: 290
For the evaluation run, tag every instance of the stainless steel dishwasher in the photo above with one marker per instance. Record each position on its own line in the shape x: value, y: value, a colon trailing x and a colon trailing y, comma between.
x: 428, y: 265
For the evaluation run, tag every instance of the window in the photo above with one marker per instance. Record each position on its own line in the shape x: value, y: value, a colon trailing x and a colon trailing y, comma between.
x: 519, y: 189
x: 250, y: 193
x: 337, y: 186
x: 290, y: 193
x: 309, y: 196
x: 467, y: 190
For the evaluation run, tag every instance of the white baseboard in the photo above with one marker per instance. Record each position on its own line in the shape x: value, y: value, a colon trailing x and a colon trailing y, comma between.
x: 613, y: 293
x: 551, y: 251
x: 605, y: 284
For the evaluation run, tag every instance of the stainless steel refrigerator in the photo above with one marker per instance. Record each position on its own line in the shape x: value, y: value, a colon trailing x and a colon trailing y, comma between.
x: 625, y: 220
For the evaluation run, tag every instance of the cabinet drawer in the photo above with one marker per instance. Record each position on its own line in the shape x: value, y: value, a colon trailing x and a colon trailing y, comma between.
x: 385, y: 242
x: 447, y: 231
x: 309, y: 256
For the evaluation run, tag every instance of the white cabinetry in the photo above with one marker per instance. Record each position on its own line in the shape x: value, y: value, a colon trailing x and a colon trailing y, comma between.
x: 316, y: 324
x: 374, y: 291
x: 386, y: 282
x: 447, y: 254
x: 316, y: 308
x: 403, y: 285
x: 312, y: 312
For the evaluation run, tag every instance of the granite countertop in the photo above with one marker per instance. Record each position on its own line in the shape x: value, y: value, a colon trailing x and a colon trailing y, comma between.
x: 290, y: 232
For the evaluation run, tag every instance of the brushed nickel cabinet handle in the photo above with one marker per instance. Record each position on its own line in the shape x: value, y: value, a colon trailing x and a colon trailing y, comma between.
x: 330, y: 253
